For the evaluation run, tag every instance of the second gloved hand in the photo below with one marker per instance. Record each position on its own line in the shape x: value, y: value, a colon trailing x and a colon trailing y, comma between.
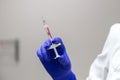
x: 59, y: 68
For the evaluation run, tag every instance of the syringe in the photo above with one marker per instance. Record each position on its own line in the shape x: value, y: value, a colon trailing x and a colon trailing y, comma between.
x: 53, y: 46
x: 47, y: 30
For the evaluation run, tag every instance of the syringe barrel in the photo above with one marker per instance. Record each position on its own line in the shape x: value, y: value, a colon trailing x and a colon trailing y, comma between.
x: 48, y: 31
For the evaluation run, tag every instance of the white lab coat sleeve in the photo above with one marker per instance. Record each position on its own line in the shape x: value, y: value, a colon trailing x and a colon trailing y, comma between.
x: 105, y: 64
x: 114, y: 62
x: 114, y: 68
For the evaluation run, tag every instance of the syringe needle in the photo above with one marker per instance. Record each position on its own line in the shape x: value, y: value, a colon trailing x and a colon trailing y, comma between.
x: 44, y: 22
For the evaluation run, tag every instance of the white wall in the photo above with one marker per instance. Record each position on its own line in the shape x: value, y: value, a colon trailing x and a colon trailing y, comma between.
x: 82, y: 24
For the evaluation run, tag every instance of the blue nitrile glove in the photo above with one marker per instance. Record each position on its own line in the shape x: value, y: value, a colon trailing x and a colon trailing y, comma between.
x: 59, y: 68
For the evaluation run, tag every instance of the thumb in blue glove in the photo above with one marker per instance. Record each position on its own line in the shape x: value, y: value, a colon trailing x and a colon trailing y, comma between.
x: 59, y: 68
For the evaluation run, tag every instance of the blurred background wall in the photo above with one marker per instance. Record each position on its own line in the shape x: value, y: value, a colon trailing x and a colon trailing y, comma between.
x: 82, y: 24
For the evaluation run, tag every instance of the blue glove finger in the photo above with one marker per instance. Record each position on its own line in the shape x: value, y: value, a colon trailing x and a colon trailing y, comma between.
x: 42, y: 52
x: 50, y: 52
x: 64, y: 61
x: 45, y: 54
x: 57, y: 40
x: 47, y: 43
x: 40, y: 56
x: 60, y: 49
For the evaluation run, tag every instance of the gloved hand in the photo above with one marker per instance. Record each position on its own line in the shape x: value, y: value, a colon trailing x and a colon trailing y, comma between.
x: 59, y: 68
